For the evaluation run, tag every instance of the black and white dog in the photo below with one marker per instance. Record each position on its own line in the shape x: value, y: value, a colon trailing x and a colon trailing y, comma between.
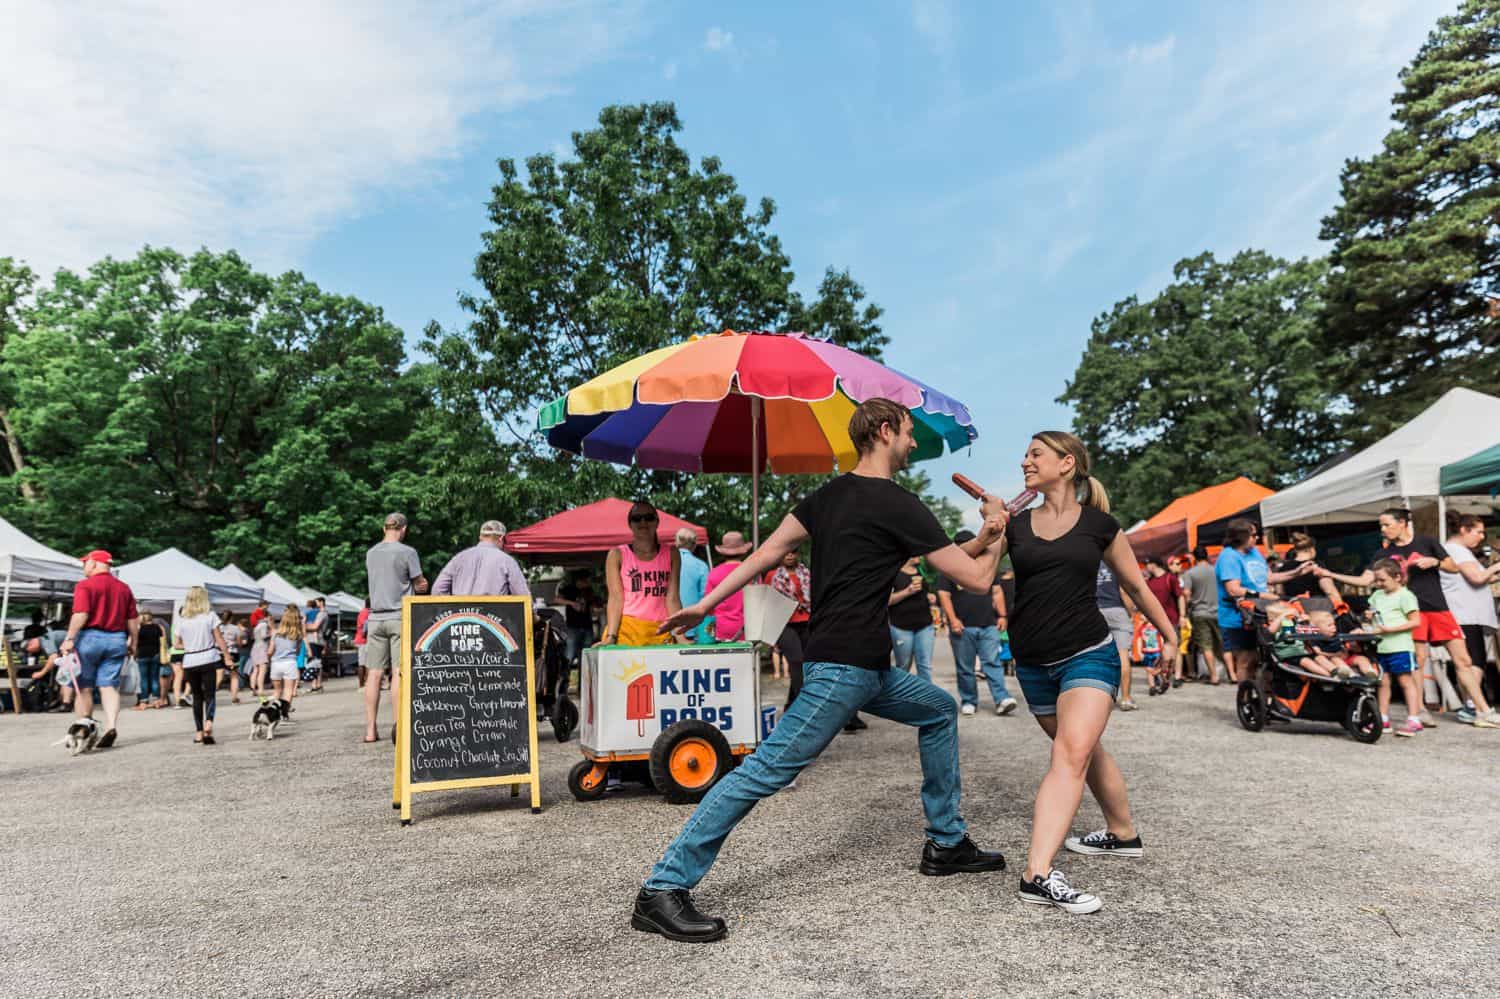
x: 270, y: 714
x: 83, y: 735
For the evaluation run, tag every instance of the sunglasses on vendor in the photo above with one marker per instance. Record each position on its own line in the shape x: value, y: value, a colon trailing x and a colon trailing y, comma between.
x: 644, y: 519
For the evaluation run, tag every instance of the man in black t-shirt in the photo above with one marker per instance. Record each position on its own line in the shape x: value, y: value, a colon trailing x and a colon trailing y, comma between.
x: 974, y: 625
x: 863, y: 527
x: 579, y: 601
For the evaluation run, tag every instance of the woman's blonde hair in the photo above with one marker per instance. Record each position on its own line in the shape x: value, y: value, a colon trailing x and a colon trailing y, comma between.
x: 1302, y: 541
x: 196, y: 602
x: 291, y: 622
x: 1089, y: 490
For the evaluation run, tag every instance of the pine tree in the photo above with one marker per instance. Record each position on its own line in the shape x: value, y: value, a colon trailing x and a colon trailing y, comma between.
x: 1417, y: 237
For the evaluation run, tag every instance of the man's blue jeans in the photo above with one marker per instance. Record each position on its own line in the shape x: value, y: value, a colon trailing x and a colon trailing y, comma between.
x: 984, y: 643
x: 831, y: 694
x: 913, y: 646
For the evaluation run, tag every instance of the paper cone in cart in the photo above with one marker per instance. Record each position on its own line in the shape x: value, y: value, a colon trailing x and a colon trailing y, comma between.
x: 766, y: 613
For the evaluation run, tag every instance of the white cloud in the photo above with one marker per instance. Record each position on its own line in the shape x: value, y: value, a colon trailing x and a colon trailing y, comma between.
x: 259, y: 126
x: 718, y: 40
x: 1154, y: 52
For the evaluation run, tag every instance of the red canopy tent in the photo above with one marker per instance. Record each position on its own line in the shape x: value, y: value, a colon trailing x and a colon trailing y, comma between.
x: 589, y: 530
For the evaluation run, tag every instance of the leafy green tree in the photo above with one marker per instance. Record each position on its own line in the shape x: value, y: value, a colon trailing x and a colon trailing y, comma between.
x: 17, y: 283
x: 191, y: 401
x: 1222, y: 374
x: 1417, y: 234
x: 593, y: 260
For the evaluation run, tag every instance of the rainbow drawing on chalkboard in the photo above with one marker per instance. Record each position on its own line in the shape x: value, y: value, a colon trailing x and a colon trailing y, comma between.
x: 502, y: 635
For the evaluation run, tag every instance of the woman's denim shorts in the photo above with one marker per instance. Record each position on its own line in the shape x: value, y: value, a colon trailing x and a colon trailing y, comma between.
x: 1098, y: 668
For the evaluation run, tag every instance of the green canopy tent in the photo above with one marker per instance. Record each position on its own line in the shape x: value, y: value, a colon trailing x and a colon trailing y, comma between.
x: 1476, y: 475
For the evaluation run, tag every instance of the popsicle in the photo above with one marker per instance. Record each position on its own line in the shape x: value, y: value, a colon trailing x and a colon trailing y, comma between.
x: 974, y: 489
x: 639, y: 701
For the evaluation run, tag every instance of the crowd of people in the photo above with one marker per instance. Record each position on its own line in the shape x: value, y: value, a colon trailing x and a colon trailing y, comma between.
x: 1417, y: 595
x: 1069, y: 620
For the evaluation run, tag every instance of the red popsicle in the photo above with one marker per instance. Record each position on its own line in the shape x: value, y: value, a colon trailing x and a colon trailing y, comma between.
x: 639, y: 701
x: 974, y: 489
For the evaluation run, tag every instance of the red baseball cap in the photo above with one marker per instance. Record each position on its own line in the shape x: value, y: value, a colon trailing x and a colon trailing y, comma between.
x: 99, y: 555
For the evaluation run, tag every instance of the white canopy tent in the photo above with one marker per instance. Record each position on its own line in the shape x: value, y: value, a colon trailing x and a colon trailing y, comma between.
x: 161, y: 581
x: 280, y: 591
x: 1400, y: 469
x: 234, y: 574
x: 346, y: 602
x: 29, y: 569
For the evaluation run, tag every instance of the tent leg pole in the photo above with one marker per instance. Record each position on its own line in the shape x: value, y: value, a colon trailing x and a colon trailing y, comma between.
x: 755, y: 408
x: 1442, y: 531
x: 10, y: 663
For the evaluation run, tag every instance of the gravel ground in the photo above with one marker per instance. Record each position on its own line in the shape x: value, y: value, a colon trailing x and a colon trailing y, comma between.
x: 1292, y: 862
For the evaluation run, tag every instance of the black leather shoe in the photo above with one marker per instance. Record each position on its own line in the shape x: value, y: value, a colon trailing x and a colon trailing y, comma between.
x: 672, y: 914
x: 964, y: 858
x: 107, y: 740
x: 856, y: 724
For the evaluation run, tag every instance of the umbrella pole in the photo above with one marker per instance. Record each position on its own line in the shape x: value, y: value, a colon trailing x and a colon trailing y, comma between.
x: 755, y: 407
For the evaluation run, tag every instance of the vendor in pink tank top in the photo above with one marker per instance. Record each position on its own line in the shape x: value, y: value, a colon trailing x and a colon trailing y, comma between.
x: 642, y: 579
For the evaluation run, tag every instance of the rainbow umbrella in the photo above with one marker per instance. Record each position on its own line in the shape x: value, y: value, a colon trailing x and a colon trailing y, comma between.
x: 744, y: 403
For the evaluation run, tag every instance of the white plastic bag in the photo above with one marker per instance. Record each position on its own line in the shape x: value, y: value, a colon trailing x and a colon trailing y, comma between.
x: 130, y: 678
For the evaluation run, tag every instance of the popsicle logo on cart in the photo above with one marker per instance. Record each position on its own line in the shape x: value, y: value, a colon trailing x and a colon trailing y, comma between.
x: 677, y: 694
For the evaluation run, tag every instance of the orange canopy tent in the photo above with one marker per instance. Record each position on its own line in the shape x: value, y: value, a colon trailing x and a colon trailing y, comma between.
x: 1175, y: 527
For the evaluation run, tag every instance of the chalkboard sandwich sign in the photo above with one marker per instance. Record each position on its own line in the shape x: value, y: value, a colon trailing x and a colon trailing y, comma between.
x: 467, y: 713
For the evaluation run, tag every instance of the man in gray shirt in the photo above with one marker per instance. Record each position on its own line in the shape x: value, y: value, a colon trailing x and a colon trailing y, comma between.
x: 1203, y: 611
x: 483, y: 570
x: 394, y: 571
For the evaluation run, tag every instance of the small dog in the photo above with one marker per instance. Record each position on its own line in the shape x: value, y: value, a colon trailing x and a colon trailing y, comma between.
x: 270, y: 714
x: 83, y: 735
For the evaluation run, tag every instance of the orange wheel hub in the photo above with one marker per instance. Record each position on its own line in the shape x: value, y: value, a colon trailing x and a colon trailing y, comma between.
x: 593, y: 778
x: 692, y: 763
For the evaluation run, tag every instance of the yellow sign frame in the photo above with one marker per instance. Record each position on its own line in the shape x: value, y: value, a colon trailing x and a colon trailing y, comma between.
x: 402, y: 786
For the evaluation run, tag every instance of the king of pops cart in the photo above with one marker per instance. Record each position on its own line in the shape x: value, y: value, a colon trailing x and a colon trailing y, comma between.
x: 678, y: 717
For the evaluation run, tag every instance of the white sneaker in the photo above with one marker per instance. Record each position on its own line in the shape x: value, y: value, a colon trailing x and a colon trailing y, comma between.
x: 1126, y: 704
x: 1006, y: 706
x: 967, y: 709
x: 1490, y: 719
x: 1055, y: 890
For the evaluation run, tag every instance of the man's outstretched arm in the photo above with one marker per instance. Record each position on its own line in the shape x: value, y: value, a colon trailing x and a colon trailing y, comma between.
x: 789, y: 536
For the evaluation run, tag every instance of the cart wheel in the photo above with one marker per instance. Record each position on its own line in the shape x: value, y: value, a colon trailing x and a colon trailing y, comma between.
x: 564, y: 719
x: 1250, y: 706
x: 687, y: 759
x: 587, y: 780
x: 1362, y: 720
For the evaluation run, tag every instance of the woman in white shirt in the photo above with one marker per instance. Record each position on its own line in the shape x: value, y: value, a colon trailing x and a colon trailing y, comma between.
x: 204, y: 654
x: 1473, y: 607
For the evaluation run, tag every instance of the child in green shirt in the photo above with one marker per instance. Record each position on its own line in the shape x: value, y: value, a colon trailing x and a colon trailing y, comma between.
x: 1394, y: 613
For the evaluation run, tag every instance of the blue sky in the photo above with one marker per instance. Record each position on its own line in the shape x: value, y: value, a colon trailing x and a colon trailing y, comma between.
x: 994, y: 174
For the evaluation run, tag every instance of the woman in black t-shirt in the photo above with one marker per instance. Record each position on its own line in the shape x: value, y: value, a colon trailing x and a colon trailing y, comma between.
x: 1066, y: 659
x: 148, y: 662
x: 1304, y: 550
x: 911, y: 621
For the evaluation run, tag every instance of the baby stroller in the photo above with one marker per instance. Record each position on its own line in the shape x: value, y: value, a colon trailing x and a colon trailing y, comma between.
x: 1281, y: 691
x: 552, y: 671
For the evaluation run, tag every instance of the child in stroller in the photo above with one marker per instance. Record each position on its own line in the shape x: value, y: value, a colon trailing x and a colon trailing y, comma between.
x: 1330, y: 655
x: 1289, y: 682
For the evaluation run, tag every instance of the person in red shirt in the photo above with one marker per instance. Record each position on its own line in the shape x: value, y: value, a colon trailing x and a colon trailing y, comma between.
x: 1168, y: 591
x: 261, y: 610
x: 103, y: 631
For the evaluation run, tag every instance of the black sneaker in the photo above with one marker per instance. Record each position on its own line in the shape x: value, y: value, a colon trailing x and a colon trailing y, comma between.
x: 856, y: 724
x: 107, y: 740
x: 1055, y: 890
x: 1105, y: 842
x: 962, y: 858
x: 672, y: 914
